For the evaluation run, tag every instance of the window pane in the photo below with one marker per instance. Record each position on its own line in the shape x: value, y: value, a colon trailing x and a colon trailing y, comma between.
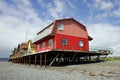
x: 81, y: 43
x: 50, y: 42
x: 60, y: 26
x: 43, y: 45
x: 64, y: 41
x: 38, y: 46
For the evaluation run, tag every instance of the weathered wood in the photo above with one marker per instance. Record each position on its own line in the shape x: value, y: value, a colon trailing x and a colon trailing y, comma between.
x: 41, y: 60
x: 73, y: 57
x: 53, y: 60
x: 29, y: 60
x: 98, y: 58
x: 61, y: 57
x: 45, y: 59
x: 105, y: 57
x: 35, y: 60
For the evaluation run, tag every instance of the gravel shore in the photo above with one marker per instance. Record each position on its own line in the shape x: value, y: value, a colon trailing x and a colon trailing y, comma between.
x: 96, y: 71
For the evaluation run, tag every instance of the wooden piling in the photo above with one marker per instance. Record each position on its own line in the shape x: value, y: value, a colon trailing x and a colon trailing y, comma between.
x: 45, y: 59
x: 35, y: 60
x: 29, y: 60
x: 41, y: 60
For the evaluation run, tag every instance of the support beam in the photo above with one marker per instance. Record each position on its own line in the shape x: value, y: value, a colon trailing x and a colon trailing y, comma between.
x: 104, y: 57
x: 53, y: 60
x: 45, y: 59
x: 29, y: 60
x: 89, y: 58
x: 98, y: 58
x: 35, y: 60
x: 41, y: 60
x: 73, y: 58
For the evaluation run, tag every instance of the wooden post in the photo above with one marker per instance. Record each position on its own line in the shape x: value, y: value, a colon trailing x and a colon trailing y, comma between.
x: 54, y: 59
x: 73, y: 57
x: 45, y: 59
x: 89, y: 58
x: 105, y: 57
x: 35, y: 59
x: 41, y: 60
x: 98, y: 58
x: 29, y: 60
x: 23, y: 60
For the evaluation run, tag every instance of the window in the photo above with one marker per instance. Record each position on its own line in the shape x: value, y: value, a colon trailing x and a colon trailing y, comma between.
x: 38, y: 46
x: 60, y: 27
x: 50, y: 42
x: 81, y: 43
x: 43, y: 45
x: 64, y: 41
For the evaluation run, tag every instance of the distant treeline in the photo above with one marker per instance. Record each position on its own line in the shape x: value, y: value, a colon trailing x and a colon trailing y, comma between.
x: 3, y: 59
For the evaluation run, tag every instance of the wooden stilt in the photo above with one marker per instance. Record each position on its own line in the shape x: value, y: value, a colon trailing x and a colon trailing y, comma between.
x: 41, y: 60
x: 98, y: 58
x: 89, y: 58
x: 62, y: 57
x: 53, y: 60
x: 45, y: 59
x: 35, y: 59
x: 104, y: 57
x: 73, y: 57
x: 29, y: 60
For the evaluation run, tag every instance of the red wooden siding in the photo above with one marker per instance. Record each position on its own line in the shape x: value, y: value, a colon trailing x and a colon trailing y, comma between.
x: 72, y: 28
x: 47, y: 47
x: 73, y: 32
x: 72, y: 43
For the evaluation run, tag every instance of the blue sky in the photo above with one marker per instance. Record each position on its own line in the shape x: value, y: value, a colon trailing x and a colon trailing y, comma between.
x: 101, y: 17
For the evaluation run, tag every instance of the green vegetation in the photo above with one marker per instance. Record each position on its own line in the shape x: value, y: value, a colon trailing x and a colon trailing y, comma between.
x: 112, y: 58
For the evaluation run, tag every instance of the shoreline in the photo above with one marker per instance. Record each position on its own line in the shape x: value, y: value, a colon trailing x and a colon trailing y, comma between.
x: 109, y: 70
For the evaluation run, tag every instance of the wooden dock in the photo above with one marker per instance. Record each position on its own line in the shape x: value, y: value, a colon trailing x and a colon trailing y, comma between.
x: 58, y: 56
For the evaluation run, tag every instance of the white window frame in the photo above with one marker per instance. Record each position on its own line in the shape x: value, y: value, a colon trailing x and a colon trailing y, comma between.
x: 64, y: 40
x: 38, y: 46
x: 43, y: 44
x: 60, y: 26
x: 51, y: 43
x: 81, y: 43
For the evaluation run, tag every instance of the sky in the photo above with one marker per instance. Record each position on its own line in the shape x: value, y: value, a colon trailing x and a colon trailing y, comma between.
x: 21, y: 17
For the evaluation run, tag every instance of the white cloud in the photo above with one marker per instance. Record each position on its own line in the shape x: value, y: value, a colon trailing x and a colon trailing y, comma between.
x: 105, y: 35
x: 103, y: 4
x: 57, y: 9
x: 116, y: 12
x: 14, y: 21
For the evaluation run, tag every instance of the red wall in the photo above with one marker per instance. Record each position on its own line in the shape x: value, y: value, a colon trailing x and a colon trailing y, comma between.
x: 46, y: 40
x: 72, y: 43
x: 72, y: 28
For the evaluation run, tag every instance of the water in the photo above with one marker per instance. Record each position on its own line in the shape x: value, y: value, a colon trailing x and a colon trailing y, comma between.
x: 3, y: 59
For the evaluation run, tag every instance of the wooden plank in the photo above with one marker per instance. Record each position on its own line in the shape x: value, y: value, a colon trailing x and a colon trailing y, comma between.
x: 41, y: 60
x: 35, y: 60
x: 29, y: 60
x: 53, y: 60
x: 45, y: 59
x: 73, y: 57
x: 104, y: 57
x: 61, y: 56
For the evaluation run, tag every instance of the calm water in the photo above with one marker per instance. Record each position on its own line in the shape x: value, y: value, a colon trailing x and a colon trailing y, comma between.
x: 3, y: 59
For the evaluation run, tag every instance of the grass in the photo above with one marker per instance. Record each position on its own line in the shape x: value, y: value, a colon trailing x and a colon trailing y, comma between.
x: 112, y: 58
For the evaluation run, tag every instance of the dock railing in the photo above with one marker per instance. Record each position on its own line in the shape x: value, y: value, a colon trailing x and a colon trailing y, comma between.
x: 101, y: 49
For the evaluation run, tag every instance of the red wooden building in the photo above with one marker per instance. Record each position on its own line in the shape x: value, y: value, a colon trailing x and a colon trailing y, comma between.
x: 63, y: 34
x: 63, y: 41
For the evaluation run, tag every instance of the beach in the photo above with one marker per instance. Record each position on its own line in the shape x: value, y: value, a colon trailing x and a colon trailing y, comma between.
x: 109, y: 70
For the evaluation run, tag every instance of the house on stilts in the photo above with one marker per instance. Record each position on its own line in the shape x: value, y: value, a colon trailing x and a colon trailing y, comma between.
x: 63, y: 41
